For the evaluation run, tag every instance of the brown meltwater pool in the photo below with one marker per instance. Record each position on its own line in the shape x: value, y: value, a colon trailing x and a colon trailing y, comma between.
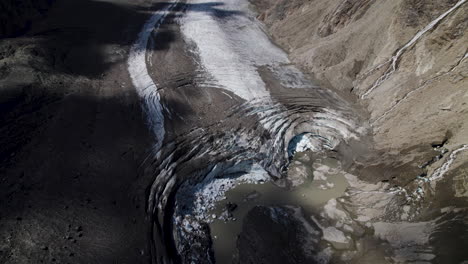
x: 317, y: 182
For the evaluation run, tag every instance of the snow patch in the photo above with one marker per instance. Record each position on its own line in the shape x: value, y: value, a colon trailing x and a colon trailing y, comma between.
x: 230, y: 46
x: 440, y: 172
x: 308, y: 141
x: 141, y: 79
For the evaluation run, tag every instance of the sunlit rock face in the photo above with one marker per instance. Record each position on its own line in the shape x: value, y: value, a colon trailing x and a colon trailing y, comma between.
x: 404, y: 74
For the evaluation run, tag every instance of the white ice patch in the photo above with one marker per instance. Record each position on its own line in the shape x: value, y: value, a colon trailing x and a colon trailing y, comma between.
x: 231, y: 45
x: 330, y: 211
x: 440, y: 172
x: 319, y: 176
x: 331, y: 234
x: 142, y: 80
x: 308, y: 141
x: 303, y: 142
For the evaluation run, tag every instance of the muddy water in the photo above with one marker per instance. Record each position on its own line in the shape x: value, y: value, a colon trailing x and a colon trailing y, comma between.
x: 311, y: 195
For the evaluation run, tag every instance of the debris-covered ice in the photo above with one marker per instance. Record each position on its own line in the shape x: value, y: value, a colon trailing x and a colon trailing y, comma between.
x: 202, y: 197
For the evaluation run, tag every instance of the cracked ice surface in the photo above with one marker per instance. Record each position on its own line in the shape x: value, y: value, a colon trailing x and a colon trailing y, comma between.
x: 231, y: 46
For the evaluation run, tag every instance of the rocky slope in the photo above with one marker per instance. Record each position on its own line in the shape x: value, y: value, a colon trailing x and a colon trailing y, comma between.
x: 405, y: 61
x: 73, y: 137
